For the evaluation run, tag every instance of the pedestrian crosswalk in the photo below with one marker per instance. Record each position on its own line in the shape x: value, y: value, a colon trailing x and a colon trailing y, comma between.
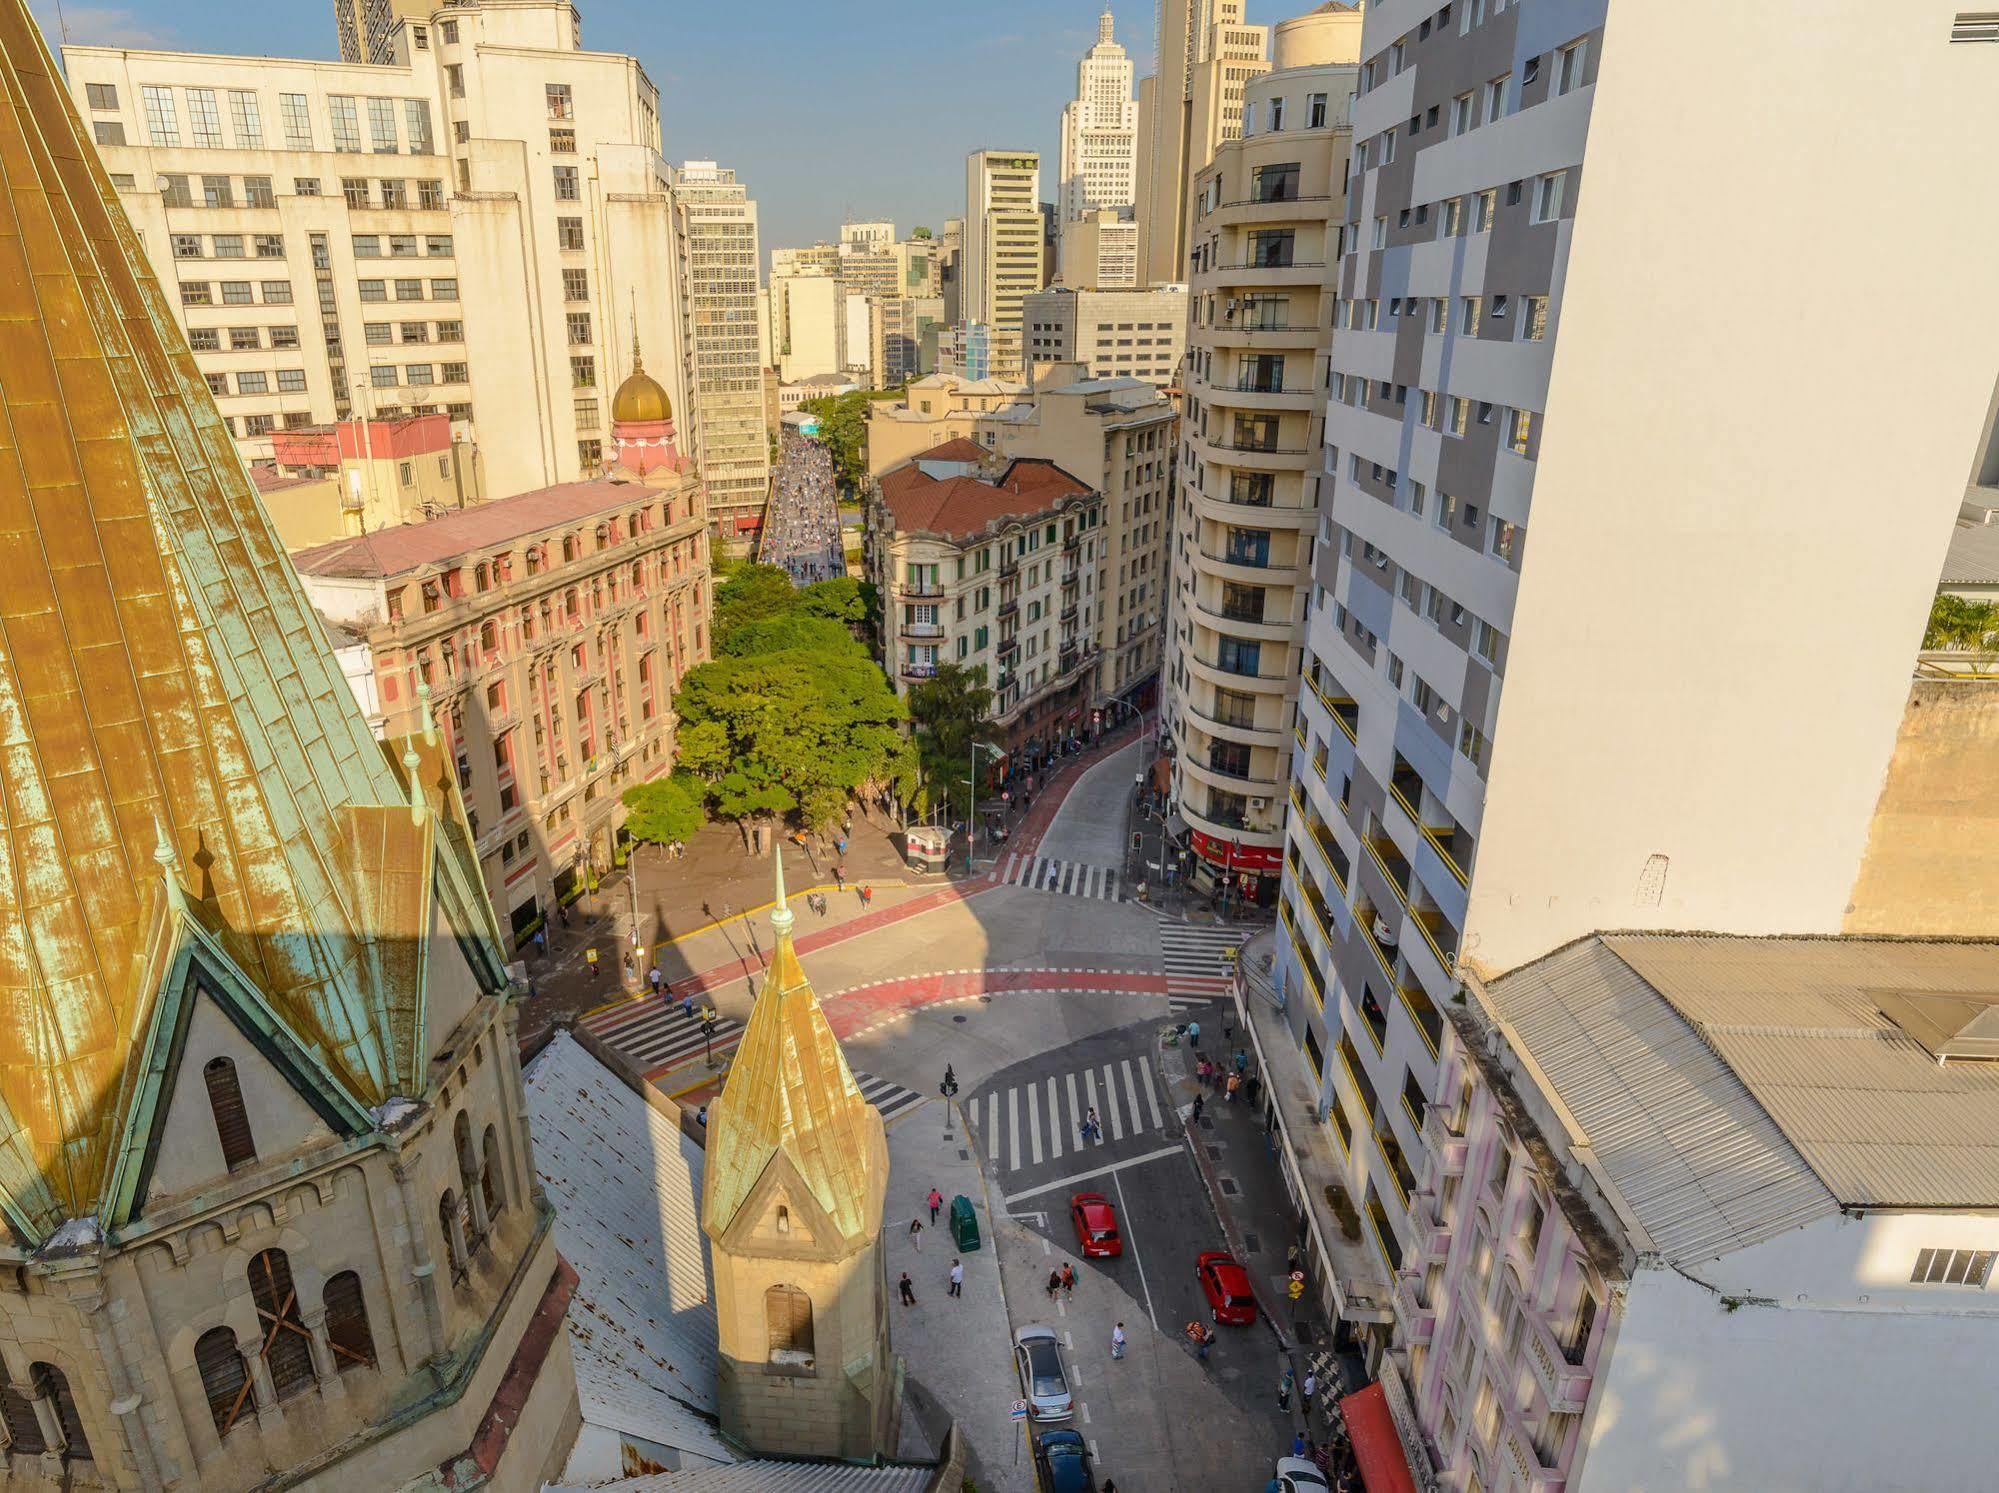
x: 655, y: 1035
x: 1042, y: 1119
x: 1071, y: 878
x: 890, y: 1098
x: 1196, y: 956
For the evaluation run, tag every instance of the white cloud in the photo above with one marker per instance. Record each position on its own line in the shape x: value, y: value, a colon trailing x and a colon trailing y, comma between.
x: 101, y: 26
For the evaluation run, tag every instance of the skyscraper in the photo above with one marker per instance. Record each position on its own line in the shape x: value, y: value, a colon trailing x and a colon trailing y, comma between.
x: 1188, y: 107
x: 1099, y: 135
x: 253, y: 998
x: 718, y: 223
x: 369, y: 28
x: 1003, y: 247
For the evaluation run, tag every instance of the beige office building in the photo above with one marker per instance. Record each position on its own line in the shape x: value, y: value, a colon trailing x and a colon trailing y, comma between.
x: 1266, y: 212
x: 1112, y: 333
x: 804, y: 322
x: 1207, y: 55
x: 478, y: 228
x: 1099, y: 251
x: 1003, y: 248
x: 717, y: 225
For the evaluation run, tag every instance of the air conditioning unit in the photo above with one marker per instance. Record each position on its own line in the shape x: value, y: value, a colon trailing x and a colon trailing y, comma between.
x: 1383, y: 934
x: 1259, y: 804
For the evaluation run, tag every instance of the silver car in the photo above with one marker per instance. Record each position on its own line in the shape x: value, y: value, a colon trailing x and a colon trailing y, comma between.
x: 1037, y: 1358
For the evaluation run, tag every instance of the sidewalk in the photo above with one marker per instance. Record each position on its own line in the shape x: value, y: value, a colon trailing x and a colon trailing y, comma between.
x: 957, y: 1354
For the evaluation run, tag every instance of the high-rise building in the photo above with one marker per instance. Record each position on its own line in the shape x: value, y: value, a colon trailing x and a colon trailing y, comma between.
x: 1003, y: 248
x: 1098, y: 251
x: 1112, y: 333
x: 805, y: 315
x: 1578, y: 473
x: 255, y: 1002
x: 1267, y: 217
x: 1206, y: 54
x: 1099, y: 135
x: 478, y: 229
x: 371, y: 30
x: 720, y: 260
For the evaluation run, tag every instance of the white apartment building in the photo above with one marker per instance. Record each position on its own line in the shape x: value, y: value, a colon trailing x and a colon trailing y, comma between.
x: 805, y: 315
x: 481, y: 228
x: 1498, y: 754
x: 1266, y: 220
x: 1099, y: 155
x: 718, y: 233
x: 1113, y: 333
x: 1099, y: 251
x: 1003, y: 249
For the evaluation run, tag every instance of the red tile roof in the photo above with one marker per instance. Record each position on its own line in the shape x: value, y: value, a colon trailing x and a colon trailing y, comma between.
x: 959, y: 449
x: 482, y: 527
x: 961, y: 507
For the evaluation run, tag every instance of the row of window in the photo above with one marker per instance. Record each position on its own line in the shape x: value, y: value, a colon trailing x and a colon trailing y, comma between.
x: 401, y: 245
x: 1453, y: 414
x: 392, y: 123
x: 229, y: 246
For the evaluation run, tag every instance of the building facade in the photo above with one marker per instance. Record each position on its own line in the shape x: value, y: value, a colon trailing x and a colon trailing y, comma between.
x: 1003, y: 250
x: 1449, y: 814
x: 1099, y: 157
x: 1266, y: 220
x: 1206, y: 55
x: 1098, y: 251
x: 724, y: 373
x: 382, y: 240
x: 1114, y: 334
x: 334, y: 480
x: 547, y: 632
x: 287, y: 1018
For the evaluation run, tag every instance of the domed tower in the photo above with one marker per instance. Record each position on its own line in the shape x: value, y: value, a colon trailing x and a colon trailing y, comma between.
x: 642, y: 423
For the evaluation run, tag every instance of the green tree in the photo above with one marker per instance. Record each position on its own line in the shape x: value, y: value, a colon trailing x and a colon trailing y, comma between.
x: 951, y: 710
x: 752, y: 593
x: 782, y: 634
x: 667, y: 809
x: 843, y: 428
x: 844, y: 598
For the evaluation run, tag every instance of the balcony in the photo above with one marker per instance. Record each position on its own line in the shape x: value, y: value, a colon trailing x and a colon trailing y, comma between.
x: 1430, y: 1236
x: 1068, y: 613
x: 1446, y: 1146
x: 1565, y: 1384
x: 1008, y: 648
x: 1009, y: 570
x: 1417, y: 1321
x: 1009, y: 608
x: 911, y: 669
x: 920, y: 590
x: 923, y: 629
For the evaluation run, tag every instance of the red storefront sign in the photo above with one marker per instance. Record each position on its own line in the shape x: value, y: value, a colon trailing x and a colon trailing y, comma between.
x: 1233, y: 855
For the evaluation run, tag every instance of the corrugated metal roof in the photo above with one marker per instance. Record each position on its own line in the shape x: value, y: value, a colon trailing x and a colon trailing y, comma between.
x: 626, y: 1185
x: 1736, y: 1087
x: 1973, y: 557
x: 779, y: 1477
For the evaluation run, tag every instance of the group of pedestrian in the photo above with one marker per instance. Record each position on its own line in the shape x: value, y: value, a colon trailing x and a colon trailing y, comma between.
x: 1062, y: 1281
x: 954, y: 1277
x: 801, y: 527
x: 1227, y: 1077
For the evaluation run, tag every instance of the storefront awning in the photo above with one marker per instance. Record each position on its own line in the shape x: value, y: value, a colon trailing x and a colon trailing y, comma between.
x: 1376, y: 1446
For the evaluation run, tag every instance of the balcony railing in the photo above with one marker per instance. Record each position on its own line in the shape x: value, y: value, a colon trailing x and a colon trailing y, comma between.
x: 1252, y: 385
x: 1344, y: 709
x: 1257, y: 448
x: 1417, y: 1321
x: 913, y: 670
x: 923, y: 629
x: 1565, y: 1384
x: 1446, y: 1146
x: 1249, y: 559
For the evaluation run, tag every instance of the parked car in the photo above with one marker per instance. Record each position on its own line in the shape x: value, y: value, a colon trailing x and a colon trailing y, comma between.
x: 1063, y: 1459
x: 1226, y: 1285
x: 1296, y: 1475
x: 1044, y: 1384
x: 1097, y: 1234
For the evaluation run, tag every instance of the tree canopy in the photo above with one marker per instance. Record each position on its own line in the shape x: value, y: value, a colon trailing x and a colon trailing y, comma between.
x: 1961, y: 625
x: 951, y: 711
x: 752, y: 593
x: 667, y: 809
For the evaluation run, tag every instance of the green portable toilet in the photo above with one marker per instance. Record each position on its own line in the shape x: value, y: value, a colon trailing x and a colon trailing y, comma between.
x: 964, y: 1224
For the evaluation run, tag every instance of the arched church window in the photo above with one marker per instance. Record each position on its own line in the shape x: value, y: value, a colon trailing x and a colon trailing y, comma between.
x: 287, y: 1345
x: 52, y: 1386
x: 492, y: 1185
x: 347, y: 1323
x: 788, y: 1314
x: 225, y: 1379
x: 232, y: 1121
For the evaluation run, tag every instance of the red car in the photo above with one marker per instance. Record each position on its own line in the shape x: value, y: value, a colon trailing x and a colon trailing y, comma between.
x: 1096, y: 1225
x: 1226, y: 1285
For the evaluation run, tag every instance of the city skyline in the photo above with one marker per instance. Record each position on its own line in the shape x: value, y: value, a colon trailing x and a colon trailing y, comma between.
x: 1026, y: 70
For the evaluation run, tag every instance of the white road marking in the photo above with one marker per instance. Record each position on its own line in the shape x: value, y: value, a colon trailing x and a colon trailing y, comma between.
x: 1093, y: 1452
x: 1012, y: 1132
x: 1033, y: 1126
x: 1090, y: 1090
x: 1102, y: 1171
x: 1142, y: 1283
x: 1131, y: 1093
x: 1085, y: 1409
x: 1110, y: 1102
x: 1075, y: 1114
x: 1046, y: 1247
x: 1068, y: 1341
x: 992, y: 1122
x: 1054, y: 1121
x: 1151, y: 1099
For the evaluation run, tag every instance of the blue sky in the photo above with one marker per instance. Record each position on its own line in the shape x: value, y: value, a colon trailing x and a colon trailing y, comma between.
x: 824, y: 107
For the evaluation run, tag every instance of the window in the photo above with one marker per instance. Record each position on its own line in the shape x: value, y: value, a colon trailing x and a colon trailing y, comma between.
x: 224, y: 1377
x: 1534, y: 323
x: 346, y: 124
x: 1460, y: 415
x: 232, y: 1122
x: 52, y: 1386
x: 560, y: 104
x: 1276, y: 115
x: 1485, y: 207
x: 1504, y: 536
x: 270, y: 245
x: 1471, y: 743
x: 216, y: 191
x: 416, y: 124
x: 1471, y: 314
x: 430, y: 194
x: 1952, y: 1267
x: 583, y: 372
x: 492, y: 1182
x: 243, y: 339
x: 451, y: 331
x: 1569, y: 67
x: 454, y: 76
x: 256, y: 382
x: 447, y: 32
x: 562, y: 142
x: 291, y: 380
x: 108, y: 131
x: 162, y: 124
x: 382, y: 377
x: 1520, y: 431
x: 24, y: 1431
x: 377, y: 333
x: 402, y: 246
x: 1315, y: 111
x: 382, y: 125
x: 218, y: 383
x: 576, y: 285
x: 355, y: 190
x: 579, y: 328
x: 187, y: 245
x: 788, y: 1314
x: 204, y: 339
x: 246, y: 119
x: 566, y: 184
x: 416, y: 331
x: 102, y: 95
x: 1548, y: 196
x: 419, y: 376
x: 297, y: 121
x: 347, y: 1323
x: 437, y: 245
x: 569, y: 232
x: 1438, y: 312
x: 287, y: 1350
x: 204, y: 119
x: 1451, y: 222
x: 395, y: 193
x: 448, y: 1224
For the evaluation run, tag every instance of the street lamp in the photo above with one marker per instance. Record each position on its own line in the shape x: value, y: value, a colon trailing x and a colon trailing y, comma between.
x: 972, y: 804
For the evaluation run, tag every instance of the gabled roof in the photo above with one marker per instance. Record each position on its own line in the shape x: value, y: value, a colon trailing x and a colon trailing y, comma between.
x: 959, y: 449
x: 961, y: 507
x: 467, y: 531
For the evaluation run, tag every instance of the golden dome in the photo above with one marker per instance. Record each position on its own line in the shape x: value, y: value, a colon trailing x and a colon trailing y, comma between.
x: 640, y: 398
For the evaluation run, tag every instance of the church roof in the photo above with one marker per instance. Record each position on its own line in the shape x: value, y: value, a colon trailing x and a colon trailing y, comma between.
x: 640, y: 398
x: 791, y: 1094
x: 162, y: 676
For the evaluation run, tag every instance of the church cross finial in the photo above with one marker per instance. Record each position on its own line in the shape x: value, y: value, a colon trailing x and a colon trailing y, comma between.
x: 780, y: 915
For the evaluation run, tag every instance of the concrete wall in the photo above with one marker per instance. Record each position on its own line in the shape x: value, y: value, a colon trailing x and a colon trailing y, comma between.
x: 1933, y: 848
x: 1692, y: 508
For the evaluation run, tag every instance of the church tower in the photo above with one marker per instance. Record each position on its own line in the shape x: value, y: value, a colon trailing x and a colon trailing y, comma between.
x: 271, y: 1217
x: 796, y: 1173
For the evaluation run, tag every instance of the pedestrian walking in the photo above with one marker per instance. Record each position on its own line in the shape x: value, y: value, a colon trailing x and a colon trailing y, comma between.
x: 936, y: 1201
x: 867, y: 895
x: 1054, y: 1283
x: 628, y: 961
x: 1284, y: 1390
x: 1241, y: 1061
x: 1083, y: 1132
x: 1200, y: 1103
x: 840, y: 846
x: 1234, y: 1083
x: 687, y: 1006
x: 656, y: 980
x: 1298, y: 1444
x: 1096, y: 1125
x: 590, y: 958
x: 1305, y: 1392
x: 1117, y: 1341
x: 957, y: 1279
x: 916, y: 1234
x: 1068, y: 1281
x: 839, y: 878
x: 908, y: 1290
x: 1193, y: 1034
x: 541, y: 943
